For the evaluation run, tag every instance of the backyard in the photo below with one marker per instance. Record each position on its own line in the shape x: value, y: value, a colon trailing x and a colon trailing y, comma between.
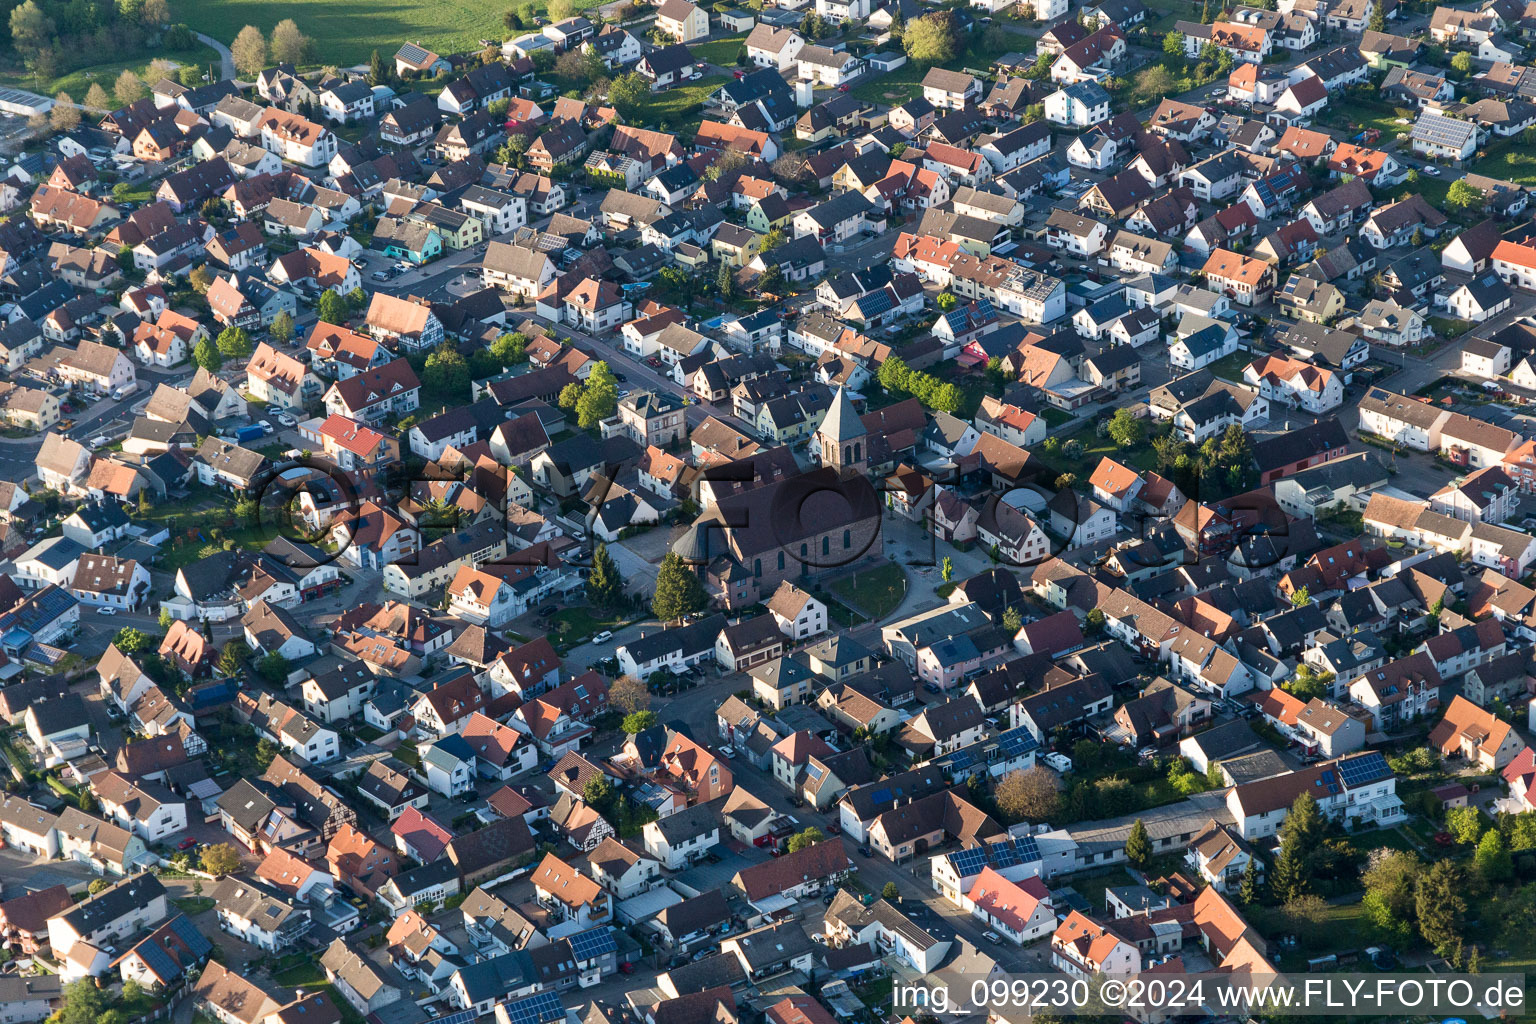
x: 905, y: 82
x: 192, y: 522
x: 682, y: 108
x: 719, y: 51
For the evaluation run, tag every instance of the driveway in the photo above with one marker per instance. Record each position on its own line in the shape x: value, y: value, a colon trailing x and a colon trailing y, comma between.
x: 24, y: 874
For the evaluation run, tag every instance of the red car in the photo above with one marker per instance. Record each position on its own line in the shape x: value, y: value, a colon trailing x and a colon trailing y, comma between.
x: 186, y: 844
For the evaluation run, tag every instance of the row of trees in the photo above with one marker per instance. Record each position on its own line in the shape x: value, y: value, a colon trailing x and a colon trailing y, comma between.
x: 251, y: 50
x: 897, y: 378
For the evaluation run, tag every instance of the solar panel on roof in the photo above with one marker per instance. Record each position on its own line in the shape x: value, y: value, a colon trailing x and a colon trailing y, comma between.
x: 542, y: 1008
x: 1359, y: 771
x: 591, y: 944
x: 462, y: 1017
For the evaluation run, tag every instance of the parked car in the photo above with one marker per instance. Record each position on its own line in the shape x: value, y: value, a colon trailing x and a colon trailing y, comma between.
x: 186, y: 844
x: 602, y: 637
x: 106, y: 611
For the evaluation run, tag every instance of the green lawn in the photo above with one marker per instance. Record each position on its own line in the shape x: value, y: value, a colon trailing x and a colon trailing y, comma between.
x: 78, y: 81
x: 720, y: 51
x: 572, y: 625
x: 1360, y: 113
x: 906, y: 81
x: 1095, y: 449
x: 306, y: 973
x: 682, y: 107
x: 876, y: 592
x: 347, y: 31
x: 1231, y: 367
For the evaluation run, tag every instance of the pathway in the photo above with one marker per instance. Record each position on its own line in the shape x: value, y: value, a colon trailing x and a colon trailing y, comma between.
x: 227, y: 71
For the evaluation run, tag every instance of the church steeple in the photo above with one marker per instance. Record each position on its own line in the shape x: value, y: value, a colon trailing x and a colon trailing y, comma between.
x: 842, y: 437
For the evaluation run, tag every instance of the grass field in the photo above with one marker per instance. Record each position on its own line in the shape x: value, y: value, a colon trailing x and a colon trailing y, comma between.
x: 683, y: 107
x: 876, y: 592
x: 347, y: 31
x: 78, y: 82
x: 719, y: 51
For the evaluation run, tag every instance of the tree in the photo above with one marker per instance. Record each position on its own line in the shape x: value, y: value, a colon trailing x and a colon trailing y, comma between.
x: 1125, y: 429
x: 1249, y: 892
x: 96, y: 98
x: 233, y: 656
x: 84, y: 1003
x: 266, y: 753
x: 947, y: 568
x: 1440, y: 905
x: 166, y: 619
x: 805, y: 837
x: 88, y: 802
x: 65, y: 116
x: 947, y: 398
x: 31, y: 29
x: 771, y: 280
x: 678, y: 590
x: 447, y: 373
x: 1462, y: 195
x: 1465, y: 824
x: 1308, y: 683
x: 599, y: 397
x: 234, y: 343
x: 890, y: 891
x: 1492, y: 859
x: 1378, y: 19
x: 1173, y: 45
x: 605, y: 584
x: 1462, y: 63
x: 220, y: 859
x: 133, y: 641
x: 128, y: 88
x: 946, y: 302
x: 629, y: 93
x: 510, y: 349
x: 724, y: 282
x: 1012, y: 620
x: 1032, y: 795
x: 1390, y: 879
x: 378, y: 71
x: 1299, y: 836
x: 1095, y: 620
x: 282, y: 328
x: 930, y: 39
x: 201, y: 279
x: 289, y: 45
x: 1138, y: 845
x: 249, y: 51
x: 273, y: 667
x: 598, y: 791
x: 640, y: 721
x: 332, y: 308
x: 629, y: 694
x: 206, y: 355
